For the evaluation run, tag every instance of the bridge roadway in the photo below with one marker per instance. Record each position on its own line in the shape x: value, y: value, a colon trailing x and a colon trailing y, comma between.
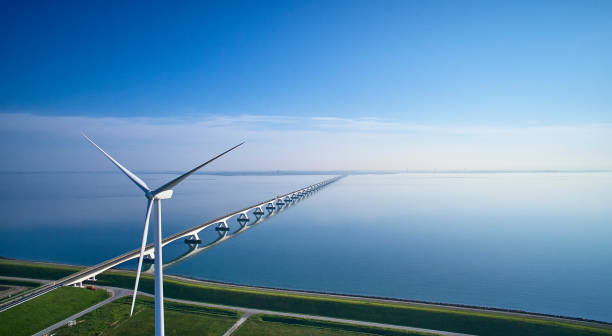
x: 223, y: 236
x: 91, y: 272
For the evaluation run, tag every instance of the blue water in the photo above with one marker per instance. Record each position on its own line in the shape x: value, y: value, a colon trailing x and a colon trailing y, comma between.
x: 536, y: 242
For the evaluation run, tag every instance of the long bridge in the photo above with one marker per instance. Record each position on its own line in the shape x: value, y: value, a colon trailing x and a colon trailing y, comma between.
x: 271, y: 206
x: 195, y: 246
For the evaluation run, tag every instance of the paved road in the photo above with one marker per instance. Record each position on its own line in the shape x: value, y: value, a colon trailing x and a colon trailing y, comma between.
x: 238, y: 323
x: 116, y: 293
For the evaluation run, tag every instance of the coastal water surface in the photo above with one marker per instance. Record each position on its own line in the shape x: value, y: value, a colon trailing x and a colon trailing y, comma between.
x: 529, y: 241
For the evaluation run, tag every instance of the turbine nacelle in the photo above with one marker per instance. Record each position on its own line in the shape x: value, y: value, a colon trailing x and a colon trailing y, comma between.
x: 166, y: 194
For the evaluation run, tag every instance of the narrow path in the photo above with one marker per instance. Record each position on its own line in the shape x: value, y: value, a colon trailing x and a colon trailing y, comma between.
x: 116, y: 293
x: 237, y: 324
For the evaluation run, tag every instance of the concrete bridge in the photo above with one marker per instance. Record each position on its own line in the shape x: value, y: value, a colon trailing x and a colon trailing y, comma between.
x: 195, y: 246
x: 271, y: 206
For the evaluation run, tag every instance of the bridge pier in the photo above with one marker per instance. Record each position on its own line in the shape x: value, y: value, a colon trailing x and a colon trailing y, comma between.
x: 222, y: 227
x: 270, y: 207
x: 243, y: 219
x: 149, y: 258
x: 258, y: 212
x: 193, y: 239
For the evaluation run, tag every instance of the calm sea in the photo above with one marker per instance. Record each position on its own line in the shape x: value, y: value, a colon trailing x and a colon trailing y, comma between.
x: 538, y: 242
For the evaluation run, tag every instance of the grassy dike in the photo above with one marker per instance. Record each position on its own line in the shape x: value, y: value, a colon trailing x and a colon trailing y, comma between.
x: 11, y: 282
x: 428, y: 317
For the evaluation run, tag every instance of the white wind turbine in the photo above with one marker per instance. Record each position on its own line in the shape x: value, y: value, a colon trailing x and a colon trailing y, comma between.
x: 163, y: 192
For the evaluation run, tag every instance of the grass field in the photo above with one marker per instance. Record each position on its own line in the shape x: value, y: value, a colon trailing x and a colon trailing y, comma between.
x: 437, y: 318
x: 19, y: 283
x: 264, y: 325
x: 45, y: 310
x: 180, y: 319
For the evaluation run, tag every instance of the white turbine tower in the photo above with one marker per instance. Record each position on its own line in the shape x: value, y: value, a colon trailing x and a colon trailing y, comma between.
x: 163, y: 192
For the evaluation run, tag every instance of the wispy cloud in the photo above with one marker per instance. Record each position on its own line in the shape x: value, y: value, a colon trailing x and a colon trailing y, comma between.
x: 34, y: 142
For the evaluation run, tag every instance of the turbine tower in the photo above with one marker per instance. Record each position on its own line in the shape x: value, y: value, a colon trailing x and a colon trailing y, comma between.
x: 155, y: 196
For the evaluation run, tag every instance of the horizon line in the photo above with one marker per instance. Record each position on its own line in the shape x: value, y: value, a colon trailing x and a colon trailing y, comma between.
x: 320, y: 172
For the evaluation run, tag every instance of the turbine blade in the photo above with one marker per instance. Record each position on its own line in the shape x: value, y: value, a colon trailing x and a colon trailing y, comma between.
x: 142, y: 247
x: 178, y: 180
x: 140, y: 183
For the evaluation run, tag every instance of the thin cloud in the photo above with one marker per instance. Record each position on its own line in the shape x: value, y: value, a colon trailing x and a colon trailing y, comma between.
x: 31, y: 142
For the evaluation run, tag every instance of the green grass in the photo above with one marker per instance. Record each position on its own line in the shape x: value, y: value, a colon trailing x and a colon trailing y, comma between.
x: 21, y: 283
x: 277, y: 325
x: 32, y: 270
x: 43, y: 311
x: 180, y: 319
x: 436, y: 318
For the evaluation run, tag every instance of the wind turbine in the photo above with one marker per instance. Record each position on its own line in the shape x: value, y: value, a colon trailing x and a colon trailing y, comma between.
x: 156, y: 195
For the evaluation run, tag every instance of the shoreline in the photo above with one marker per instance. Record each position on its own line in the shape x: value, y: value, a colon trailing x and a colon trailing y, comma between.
x: 382, y: 299
x: 379, y: 299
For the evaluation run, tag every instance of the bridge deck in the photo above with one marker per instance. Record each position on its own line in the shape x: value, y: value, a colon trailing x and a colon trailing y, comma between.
x: 105, y: 265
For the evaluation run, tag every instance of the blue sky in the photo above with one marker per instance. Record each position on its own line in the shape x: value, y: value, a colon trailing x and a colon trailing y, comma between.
x: 428, y: 79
